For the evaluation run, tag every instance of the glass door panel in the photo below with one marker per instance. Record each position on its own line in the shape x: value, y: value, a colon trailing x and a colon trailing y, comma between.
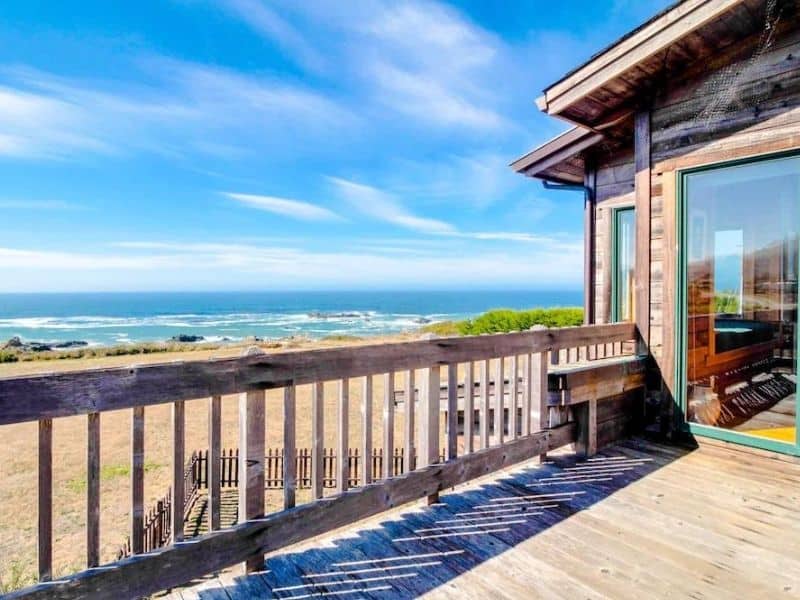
x: 742, y: 226
x: 623, y: 261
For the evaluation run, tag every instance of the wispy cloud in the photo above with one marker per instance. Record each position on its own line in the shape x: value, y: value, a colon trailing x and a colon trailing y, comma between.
x: 382, y: 206
x: 283, y: 206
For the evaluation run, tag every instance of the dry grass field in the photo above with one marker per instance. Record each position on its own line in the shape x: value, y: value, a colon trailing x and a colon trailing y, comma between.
x: 18, y: 475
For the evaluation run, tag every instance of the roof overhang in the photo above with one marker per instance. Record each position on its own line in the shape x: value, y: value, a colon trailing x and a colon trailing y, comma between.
x: 624, y: 72
x: 559, y: 160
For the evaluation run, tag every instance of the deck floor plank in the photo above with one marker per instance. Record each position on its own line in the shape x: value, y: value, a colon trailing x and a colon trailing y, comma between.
x: 641, y: 519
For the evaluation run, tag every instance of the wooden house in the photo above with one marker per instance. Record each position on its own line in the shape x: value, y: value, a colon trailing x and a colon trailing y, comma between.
x: 686, y: 143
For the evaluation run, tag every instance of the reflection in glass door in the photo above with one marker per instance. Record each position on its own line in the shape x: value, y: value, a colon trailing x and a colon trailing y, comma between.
x: 741, y: 251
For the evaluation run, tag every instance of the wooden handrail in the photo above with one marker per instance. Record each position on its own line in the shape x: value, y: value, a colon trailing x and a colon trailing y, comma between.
x: 52, y: 395
x: 91, y: 392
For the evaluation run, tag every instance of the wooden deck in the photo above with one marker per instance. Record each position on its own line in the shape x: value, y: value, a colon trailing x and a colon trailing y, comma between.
x: 639, y: 520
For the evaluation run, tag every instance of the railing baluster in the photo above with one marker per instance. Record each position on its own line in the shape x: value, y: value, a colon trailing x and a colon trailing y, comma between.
x: 409, y: 401
x: 93, y: 490
x: 214, y: 465
x: 45, y: 499
x: 343, y: 451
x: 429, y: 424
x: 527, y: 387
x: 469, y: 411
x: 484, y: 404
x: 252, y: 423
x: 178, y: 491
x: 289, y: 446
x: 366, y: 431
x: 512, y: 399
x: 137, y: 479
x: 317, y: 439
x: 499, y: 395
x: 388, y: 425
x: 539, y: 390
x: 452, y: 411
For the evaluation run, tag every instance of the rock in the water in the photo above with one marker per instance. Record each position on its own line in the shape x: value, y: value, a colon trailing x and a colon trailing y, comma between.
x: 37, y: 347
x: 14, y: 342
x: 186, y: 337
x: 71, y: 344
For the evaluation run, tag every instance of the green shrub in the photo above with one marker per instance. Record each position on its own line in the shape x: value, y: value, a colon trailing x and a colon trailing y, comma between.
x: 504, y: 320
x: 8, y: 357
x: 443, y: 328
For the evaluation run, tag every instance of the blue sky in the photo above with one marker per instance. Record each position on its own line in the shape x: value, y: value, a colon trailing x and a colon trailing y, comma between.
x: 248, y: 144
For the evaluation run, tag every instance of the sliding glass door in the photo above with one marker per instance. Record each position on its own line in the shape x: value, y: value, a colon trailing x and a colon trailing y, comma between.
x: 623, y: 259
x: 739, y: 284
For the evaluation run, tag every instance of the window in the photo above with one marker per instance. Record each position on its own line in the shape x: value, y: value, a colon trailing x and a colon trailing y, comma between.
x: 623, y: 255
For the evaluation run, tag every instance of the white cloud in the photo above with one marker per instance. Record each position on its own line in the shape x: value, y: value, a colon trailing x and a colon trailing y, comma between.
x: 38, y: 205
x: 283, y: 206
x: 382, y: 206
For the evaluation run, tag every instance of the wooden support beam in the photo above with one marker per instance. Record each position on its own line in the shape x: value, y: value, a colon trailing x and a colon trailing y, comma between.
x: 469, y: 407
x: 93, y: 490
x: 252, y: 431
x: 527, y: 393
x: 409, y: 449
x: 137, y: 479
x: 429, y: 422
x: 289, y: 446
x: 178, y: 452
x: 343, y: 438
x: 45, y: 530
x: 388, y: 425
x: 214, y: 464
x: 366, y: 431
x: 539, y: 392
x: 513, y: 392
x: 642, y: 183
x: 317, y: 439
x: 452, y: 411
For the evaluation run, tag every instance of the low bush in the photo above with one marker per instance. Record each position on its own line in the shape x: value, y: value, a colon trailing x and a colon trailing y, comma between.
x: 503, y: 320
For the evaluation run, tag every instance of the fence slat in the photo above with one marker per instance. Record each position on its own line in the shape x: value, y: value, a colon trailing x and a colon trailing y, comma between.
x: 452, y: 411
x: 289, y: 446
x: 388, y: 425
x: 539, y: 391
x: 45, y: 499
x: 137, y: 479
x: 93, y: 490
x: 178, y: 452
x: 366, y: 431
x: 252, y: 423
x: 469, y: 410
x: 214, y: 463
x: 499, y: 394
x: 410, y: 405
x: 317, y: 439
x: 342, y: 452
x: 513, y: 390
x: 527, y: 387
x: 484, y: 404
x: 429, y: 422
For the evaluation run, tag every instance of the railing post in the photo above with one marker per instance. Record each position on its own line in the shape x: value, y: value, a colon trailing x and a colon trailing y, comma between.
x: 213, y: 463
x: 484, y: 423
x: 586, y: 416
x: 343, y: 451
x: 252, y: 424
x: 410, y: 405
x: 513, y: 389
x: 178, y: 487
x: 366, y: 431
x: 452, y: 411
x: 93, y: 490
x: 429, y: 430
x: 317, y: 439
x: 289, y: 446
x: 527, y: 389
x: 499, y: 396
x: 539, y: 392
x: 388, y: 425
x: 137, y: 480
x: 45, y: 499
x: 469, y: 409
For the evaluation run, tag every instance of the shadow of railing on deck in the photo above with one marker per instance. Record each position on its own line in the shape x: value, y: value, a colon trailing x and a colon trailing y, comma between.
x: 421, y: 549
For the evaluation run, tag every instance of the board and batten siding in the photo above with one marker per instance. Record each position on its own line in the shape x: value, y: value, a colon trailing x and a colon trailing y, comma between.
x: 742, y: 102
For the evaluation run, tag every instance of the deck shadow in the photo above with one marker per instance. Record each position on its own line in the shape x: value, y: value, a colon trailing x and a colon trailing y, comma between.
x: 424, y: 548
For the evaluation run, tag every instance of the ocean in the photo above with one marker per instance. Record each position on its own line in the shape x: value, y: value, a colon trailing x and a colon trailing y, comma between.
x: 103, y: 319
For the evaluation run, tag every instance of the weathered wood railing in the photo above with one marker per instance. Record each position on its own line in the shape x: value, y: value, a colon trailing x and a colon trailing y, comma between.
x: 526, y: 356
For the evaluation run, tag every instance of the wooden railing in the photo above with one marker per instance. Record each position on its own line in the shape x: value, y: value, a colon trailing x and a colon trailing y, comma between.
x: 527, y: 356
